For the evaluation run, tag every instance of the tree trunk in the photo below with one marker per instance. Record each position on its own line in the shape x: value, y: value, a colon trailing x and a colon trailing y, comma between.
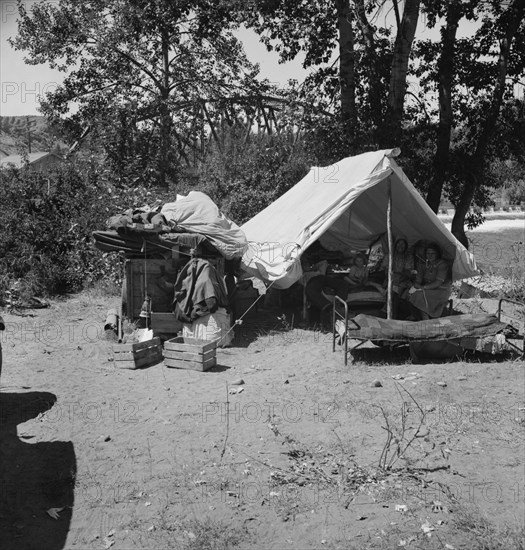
x: 347, y: 71
x: 372, y: 67
x: 511, y: 20
x: 445, y: 76
x: 165, y: 116
x: 390, y: 134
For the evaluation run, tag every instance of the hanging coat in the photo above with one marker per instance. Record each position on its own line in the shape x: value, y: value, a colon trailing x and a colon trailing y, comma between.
x: 198, y: 291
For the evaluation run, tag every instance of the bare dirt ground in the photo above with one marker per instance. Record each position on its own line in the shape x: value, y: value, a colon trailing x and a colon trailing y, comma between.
x: 166, y: 458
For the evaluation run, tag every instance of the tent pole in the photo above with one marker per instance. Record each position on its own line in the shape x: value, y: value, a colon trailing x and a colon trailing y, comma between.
x: 390, y: 250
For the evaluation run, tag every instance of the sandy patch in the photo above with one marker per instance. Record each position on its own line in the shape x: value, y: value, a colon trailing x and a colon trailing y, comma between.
x: 168, y: 458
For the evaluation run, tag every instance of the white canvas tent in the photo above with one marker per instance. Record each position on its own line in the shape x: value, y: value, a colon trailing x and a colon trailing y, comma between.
x: 345, y: 206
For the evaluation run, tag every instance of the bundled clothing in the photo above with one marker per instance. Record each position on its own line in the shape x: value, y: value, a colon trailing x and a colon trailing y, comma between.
x: 199, y: 290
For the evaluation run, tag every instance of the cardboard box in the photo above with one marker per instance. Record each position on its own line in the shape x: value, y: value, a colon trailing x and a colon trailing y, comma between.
x: 190, y: 353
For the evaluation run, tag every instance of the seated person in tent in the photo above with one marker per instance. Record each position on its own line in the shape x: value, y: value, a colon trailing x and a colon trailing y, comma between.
x: 431, y: 291
x: 358, y: 273
x: 402, y: 267
x: 319, y: 287
x: 418, y: 258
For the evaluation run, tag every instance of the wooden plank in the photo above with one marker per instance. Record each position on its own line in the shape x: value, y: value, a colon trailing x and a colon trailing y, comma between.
x: 149, y: 357
x: 191, y: 365
x: 133, y: 356
x: 136, y: 362
x: 184, y: 356
x: 136, y: 346
x: 189, y: 344
x: 130, y: 365
x: 127, y: 355
x: 124, y: 355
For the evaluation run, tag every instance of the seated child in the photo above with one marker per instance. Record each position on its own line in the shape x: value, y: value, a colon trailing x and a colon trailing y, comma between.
x: 358, y: 274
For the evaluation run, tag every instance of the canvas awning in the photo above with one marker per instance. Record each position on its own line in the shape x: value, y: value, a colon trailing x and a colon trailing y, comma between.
x: 345, y: 206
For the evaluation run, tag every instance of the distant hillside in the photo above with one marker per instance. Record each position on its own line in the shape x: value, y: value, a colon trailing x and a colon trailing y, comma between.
x: 16, y: 131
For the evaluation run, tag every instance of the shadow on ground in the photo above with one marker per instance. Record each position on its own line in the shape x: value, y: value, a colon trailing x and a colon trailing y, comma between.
x: 34, y: 477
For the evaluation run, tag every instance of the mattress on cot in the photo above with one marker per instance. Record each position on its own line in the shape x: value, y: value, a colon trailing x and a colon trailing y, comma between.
x: 477, y: 326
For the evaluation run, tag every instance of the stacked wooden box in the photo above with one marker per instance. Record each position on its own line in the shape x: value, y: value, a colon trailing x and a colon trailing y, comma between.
x: 190, y: 353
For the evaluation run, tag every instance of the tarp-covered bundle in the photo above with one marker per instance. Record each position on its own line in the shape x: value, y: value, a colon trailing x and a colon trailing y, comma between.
x: 197, y: 213
x: 189, y: 221
x: 344, y: 206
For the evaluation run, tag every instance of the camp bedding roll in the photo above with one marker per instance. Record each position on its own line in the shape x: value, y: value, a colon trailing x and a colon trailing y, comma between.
x: 197, y: 213
x: 368, y: 327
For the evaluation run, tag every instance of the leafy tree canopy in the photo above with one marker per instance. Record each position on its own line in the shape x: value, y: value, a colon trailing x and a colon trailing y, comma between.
x: 152, y: 59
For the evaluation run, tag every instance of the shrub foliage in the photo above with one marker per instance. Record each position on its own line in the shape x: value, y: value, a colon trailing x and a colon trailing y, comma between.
x: 46, y: 227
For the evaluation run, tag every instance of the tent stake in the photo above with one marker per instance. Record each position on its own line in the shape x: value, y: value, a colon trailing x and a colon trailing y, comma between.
x: 390, y: 250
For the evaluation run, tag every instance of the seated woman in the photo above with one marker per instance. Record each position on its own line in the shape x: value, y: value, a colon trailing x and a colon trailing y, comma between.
x: 431, y: 291
x: 402, y: 267
x: 418, y: 258
x: 358, y: 273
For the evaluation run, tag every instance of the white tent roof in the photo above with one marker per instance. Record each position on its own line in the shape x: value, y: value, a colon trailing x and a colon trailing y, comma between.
x: 346, y: 204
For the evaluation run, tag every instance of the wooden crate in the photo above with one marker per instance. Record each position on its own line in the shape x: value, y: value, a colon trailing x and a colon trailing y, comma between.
x: 189, y: 353
x: 133, y: 356
x: 149, y: 271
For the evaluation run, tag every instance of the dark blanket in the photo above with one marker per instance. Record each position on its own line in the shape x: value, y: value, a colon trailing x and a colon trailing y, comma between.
x: 199, y: 290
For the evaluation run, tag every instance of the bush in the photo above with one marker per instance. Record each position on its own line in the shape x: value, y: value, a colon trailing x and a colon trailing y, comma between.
x: 245, y: 178
x: 46, y: 227
x: 515, y: 192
